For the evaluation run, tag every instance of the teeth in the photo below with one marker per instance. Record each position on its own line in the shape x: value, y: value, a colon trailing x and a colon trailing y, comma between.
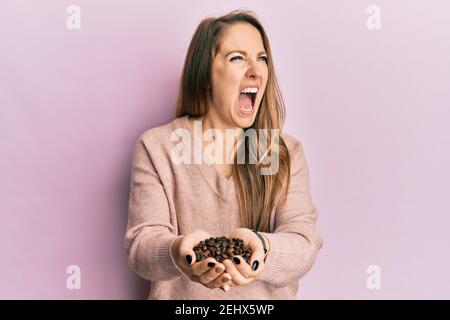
x: 250, y: 90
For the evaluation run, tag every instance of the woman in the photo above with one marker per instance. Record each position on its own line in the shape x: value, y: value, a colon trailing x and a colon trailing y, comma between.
x: 228, y: 82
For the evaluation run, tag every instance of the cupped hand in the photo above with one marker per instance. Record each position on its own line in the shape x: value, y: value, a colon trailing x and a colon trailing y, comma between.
x: 240, y: 271
x: 208, y: 272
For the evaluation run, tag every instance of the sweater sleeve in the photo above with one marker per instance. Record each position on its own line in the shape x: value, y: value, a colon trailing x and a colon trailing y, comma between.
x: 150, y: 230
x: 295, y: 241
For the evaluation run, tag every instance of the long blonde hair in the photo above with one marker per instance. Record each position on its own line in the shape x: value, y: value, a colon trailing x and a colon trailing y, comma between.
x: 258, y: 194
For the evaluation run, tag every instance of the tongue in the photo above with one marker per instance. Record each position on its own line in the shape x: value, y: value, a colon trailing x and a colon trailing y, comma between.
x: 245, y: 101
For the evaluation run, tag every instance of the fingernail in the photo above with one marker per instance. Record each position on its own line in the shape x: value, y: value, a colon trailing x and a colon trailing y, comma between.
x: 236, y: 260
x: 225, y: 279
x: 255, y: 265
x: 211, y: 264
x: 226, y: 288
x: 189, y: 258
x: 219, y: 269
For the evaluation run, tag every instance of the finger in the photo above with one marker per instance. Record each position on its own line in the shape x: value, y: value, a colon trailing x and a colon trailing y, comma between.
x: 225, y: 287
x: 236, y: 276
x: 243, y: 267
x: 188, y: 243
x: 201, y: 267
x: 220, y: 281
x: 214, y: 271
x: 257, y: 258
x: 231, y: 283
x: 186, y: 251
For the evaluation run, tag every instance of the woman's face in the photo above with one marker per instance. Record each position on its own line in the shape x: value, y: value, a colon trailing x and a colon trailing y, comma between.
x: 241, y: 63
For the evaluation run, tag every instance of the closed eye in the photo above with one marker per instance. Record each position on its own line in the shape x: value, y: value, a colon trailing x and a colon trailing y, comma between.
x: 237, y: 57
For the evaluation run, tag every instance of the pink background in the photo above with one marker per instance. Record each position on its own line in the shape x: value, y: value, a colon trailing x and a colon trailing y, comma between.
x: 370, y: 106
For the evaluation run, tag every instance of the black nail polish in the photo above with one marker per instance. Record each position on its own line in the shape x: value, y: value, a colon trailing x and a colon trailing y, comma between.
x: 255, y: 265
x: 211, y: 264
x: 189, y: 259
x: 236, y: 260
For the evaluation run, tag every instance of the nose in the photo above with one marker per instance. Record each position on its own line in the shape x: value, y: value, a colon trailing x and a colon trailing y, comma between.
x: 252, y: 71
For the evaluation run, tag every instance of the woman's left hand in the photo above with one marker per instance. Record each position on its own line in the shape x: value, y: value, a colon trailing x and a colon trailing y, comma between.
x: 240, y: 271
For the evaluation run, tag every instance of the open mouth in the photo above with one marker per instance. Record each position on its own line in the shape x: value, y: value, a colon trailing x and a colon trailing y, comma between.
x: 247, y: 102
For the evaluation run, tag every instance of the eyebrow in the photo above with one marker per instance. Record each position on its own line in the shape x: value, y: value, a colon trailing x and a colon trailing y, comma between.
x: 243, y: 52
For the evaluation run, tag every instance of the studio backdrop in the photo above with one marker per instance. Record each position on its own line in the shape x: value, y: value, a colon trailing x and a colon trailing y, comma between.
x: 366, y: 87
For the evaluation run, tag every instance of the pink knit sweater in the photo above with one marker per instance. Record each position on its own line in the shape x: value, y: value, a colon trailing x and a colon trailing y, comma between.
x: 168, y: 199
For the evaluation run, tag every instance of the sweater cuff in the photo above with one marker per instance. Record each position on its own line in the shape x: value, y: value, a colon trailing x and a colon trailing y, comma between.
x: 164, y: 256
x: 275, y: 260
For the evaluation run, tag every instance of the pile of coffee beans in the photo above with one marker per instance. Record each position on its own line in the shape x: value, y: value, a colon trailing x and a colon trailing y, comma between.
x: 221, y: 248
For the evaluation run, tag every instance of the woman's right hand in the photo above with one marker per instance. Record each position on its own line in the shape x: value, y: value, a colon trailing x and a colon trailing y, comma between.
x: 208, y: 272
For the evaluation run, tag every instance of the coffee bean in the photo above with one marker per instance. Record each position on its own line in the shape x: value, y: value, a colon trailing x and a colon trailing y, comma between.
x: 221, y: 248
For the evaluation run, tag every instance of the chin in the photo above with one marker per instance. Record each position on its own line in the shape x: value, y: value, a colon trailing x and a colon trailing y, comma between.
x: 244, y: 121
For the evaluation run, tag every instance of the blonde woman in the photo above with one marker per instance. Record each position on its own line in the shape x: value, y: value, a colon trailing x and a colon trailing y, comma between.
x: 228, y: 83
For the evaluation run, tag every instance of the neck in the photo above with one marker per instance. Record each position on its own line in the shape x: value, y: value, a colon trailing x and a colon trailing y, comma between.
x: 212, y: 120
